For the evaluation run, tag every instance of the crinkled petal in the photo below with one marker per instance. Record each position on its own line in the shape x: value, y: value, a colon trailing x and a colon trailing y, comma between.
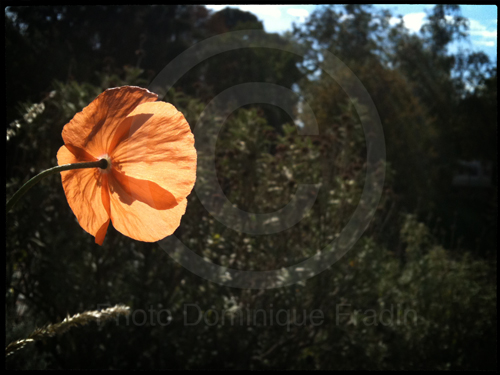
x: 157, y: 146
x: 85, y: 191
x: 80, y: 154
x: 93, y: 128
x: 137, y: 219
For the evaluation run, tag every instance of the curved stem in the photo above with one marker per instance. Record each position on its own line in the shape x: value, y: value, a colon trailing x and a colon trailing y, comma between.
x: 28, y: 185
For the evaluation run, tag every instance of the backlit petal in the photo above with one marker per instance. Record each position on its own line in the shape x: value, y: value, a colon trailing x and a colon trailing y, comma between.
x: 93, y: 128
x: 84, y: 192
x: 139, y: 220
x: 157, y: 146
x: 145, y: 191
x: 101, y: 233
x: 80, y: 154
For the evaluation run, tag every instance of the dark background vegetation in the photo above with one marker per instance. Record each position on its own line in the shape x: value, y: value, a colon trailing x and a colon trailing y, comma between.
x: 431, y: 247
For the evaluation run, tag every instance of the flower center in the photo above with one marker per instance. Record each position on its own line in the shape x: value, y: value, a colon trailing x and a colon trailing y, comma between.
x: 108, y: 167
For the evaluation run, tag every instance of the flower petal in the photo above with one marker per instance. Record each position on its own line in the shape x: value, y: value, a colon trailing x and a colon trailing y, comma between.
x: 101, y: 233
x: 145, y: 191
x: 84, y: 192
x: 80, y: 153
x: 158, y: 148
x: 139, y: 220
x: 93, y: 128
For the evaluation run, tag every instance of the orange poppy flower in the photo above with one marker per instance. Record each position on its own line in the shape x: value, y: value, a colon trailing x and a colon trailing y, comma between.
x: 151, y: 169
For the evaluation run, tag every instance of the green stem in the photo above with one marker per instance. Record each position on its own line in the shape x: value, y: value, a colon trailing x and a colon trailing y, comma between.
x: 28, y: 185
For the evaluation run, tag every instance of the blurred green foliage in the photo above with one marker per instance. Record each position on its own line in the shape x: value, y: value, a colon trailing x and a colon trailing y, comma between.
x: 418, y: 291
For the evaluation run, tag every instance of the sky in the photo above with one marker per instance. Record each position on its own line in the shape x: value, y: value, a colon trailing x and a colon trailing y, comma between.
x: 483, y: 21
